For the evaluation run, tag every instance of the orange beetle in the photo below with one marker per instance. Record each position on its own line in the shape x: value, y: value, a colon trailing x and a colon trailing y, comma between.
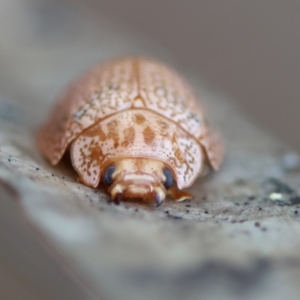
x: 133, y: 124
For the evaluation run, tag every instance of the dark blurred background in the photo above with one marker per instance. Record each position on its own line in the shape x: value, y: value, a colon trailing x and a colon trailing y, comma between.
x: 247, y: 49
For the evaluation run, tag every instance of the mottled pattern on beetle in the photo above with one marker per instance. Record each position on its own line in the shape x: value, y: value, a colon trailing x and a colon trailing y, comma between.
x: 136, y: 133
x: 115, y: 86
x: 164, y: 91
x: 103, y: 91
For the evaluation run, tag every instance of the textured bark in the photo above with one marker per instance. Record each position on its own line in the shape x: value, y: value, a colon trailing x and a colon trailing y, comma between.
x: 239, y: 237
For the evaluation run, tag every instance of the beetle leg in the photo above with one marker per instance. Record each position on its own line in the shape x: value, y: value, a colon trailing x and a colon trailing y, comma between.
x: 118, y: 198
x: 158, y: 199
x: 179, y: 195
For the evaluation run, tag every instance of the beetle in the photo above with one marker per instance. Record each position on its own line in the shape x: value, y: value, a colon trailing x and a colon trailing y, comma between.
x: 135, y: 125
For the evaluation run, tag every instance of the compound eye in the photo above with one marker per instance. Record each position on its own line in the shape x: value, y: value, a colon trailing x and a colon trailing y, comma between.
x: 169, y: 178
x: 108, y: 175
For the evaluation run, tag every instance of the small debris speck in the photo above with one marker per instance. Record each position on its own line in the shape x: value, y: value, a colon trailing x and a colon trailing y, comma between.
x: 188, y: 205
x: 136, y: 210
x: 37, y: 169
x: 206, y: 212
x: 275, y: 196
x: 9, y: 160
x: 246, y: 203
x: 251, y: 198
x: 256, y: 224
x: 166, y: 212
x: 264, y: 229
x: 63, y: 177
x: 187, y: 211
x: 52, y: 175
x: 296, y: 212
x: 259, y: 208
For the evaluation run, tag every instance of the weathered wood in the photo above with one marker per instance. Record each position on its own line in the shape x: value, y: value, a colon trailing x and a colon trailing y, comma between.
x: 239, y: 237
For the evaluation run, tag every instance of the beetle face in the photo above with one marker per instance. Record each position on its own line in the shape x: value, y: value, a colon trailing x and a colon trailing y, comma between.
x: 138, y: 178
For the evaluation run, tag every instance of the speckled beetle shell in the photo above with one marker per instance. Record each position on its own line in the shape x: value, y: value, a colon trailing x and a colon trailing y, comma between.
x: 140, y: 117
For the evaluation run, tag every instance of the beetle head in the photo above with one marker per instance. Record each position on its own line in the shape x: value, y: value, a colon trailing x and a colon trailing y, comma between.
x: 144, y: 178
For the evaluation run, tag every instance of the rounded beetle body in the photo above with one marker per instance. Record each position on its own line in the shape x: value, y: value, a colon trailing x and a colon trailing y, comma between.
x: 134, y: 124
